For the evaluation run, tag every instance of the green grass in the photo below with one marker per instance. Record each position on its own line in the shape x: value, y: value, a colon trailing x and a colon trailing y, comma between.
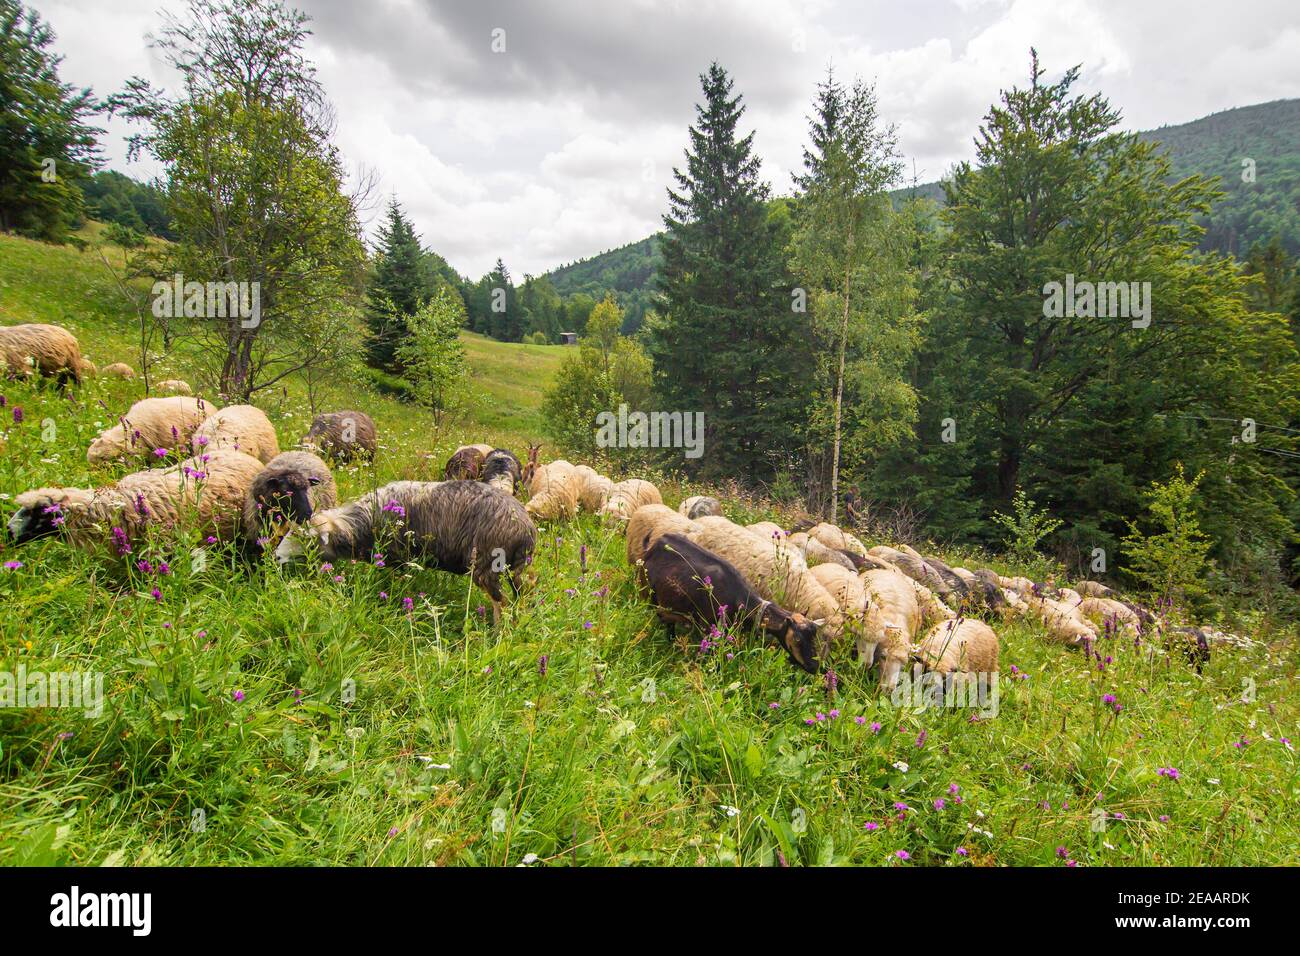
x: 368, y: 733
x: 510, y: 380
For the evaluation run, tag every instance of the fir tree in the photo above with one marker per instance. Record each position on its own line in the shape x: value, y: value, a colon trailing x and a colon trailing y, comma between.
x: 398, y: 290
x: 729, y: 344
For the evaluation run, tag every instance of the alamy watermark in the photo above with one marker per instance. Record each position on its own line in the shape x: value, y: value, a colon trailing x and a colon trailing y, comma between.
x: 80, y: 690
x: 960, y: 690
x: 208, y: 300
x: 651, y: 430
x: 1098, y: 300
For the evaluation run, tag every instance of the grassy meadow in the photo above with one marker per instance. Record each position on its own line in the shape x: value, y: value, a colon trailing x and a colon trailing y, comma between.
x: 358, y: 715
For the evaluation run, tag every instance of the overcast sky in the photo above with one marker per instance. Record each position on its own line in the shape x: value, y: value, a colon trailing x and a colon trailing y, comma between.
x: 560, y: 146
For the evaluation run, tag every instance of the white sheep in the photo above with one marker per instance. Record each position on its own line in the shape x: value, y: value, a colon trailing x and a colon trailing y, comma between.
x: 648, y: 524
x: 593, y: 488
x: 837, y: 538
x: 626, y: 496
x: 961, y: 645
x: 1096, y: 610
x: 553, y: 492
x: 49, y: 349
x: 1064, y: 622
x: 816, y: 553
x: 767, y: 530
x: 241, y: 428
x: 212, y: 486
x: 149, y: 424
x: 173, y: 386
x: 892, y: 621
x: 776, y: 572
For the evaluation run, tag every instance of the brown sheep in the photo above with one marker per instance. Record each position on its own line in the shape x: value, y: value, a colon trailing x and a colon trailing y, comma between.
x: 49, y: 349
x: 343, y: 436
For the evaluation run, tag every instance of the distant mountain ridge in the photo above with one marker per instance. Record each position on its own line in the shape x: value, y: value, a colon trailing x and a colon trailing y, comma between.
x: 1262, y: 198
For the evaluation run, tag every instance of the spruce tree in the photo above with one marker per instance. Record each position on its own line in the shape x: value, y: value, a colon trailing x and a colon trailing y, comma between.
x: 47, y: 149
x: 398, y: 290
x: 730, y: 344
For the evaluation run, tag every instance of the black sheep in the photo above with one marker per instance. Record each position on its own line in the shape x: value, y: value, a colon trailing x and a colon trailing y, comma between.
x: 689, y: 584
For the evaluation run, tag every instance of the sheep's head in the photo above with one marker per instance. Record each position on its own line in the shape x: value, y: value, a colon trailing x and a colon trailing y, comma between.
x: 892, y: 653
x: 41, y: 512
x: 286, y: 497
x: 292, y: 547
x: 108, y: 446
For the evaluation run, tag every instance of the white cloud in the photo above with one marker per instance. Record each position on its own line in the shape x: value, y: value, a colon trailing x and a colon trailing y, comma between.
x: 562, y: 146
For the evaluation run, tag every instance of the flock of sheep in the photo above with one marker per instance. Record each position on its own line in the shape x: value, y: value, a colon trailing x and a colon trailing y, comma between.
x: 809, y: 588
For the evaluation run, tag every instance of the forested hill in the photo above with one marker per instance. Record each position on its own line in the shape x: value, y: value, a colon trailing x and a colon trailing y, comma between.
x: 1214, y: 145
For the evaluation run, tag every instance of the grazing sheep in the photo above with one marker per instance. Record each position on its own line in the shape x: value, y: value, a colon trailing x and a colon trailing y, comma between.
x: 49, y: 349
x: 501, y: 470
x: 767, y: 530
x: 342, y: 436
x: 240, y: 427
x: 291, y: 488
x: 697, y: 506
x: 553, y: 492
x: 626, y: 496
x: 1014, y: 605
x: 173, y: 386
x: 593, y: 488
x: 149, y: 424
x: 1069, y: 596
x: 1064, y: 623
x: 88, y: 368
x: 954, y: 585
x: 647, y: 524
x: 892, y: 621
x: 778, y: 573
x: 982, y: 588
x: 1096, y: 610
x: 1094, y: 589
x: 845, y: 586
x: 963, y: 645
x: 214, y: 486
x: 932, y: 609
x: 455, y: 526
x: 915, y: 566
x: 466, y: 463
x: 834, y: 537
x: 690, y: 584
x: 1020, y: 585
x: 118, y: 370
x: 815, y: 553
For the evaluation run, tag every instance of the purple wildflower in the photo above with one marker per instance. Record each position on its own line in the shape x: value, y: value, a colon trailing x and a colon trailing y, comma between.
x: 238, y: 696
